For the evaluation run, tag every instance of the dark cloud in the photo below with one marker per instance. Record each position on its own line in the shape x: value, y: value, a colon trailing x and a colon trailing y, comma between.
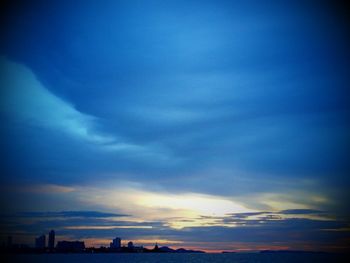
x: 84, y: 214
x: 245, y: 215
x: 301, y: 212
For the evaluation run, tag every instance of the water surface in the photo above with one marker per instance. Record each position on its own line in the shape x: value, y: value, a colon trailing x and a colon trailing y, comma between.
x: 172, y: 258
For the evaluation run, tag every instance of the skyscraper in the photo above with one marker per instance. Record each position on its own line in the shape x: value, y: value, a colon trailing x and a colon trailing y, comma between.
x: 116, y: 243
x: 51, y: 244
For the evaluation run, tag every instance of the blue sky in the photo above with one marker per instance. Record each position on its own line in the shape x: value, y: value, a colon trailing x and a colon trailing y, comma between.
x: 168, y: 112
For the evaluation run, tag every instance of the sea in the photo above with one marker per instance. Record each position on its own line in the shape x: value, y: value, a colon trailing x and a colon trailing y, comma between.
x: 177, y: 257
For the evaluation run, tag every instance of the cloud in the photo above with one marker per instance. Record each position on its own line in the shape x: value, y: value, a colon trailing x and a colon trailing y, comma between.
x: 155, y: 204
x: 84, y: 227
x: 301, y: 212
x: 42, y: 189
x: 26, y: 98
x: 70, y: 214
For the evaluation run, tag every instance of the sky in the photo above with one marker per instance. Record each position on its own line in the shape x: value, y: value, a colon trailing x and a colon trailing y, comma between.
x: 213, y: 125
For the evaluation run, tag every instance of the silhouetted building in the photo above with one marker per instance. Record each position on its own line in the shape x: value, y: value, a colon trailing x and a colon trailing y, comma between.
x: 51, y: 243
x: 70, y: 246
x: 40, y: 242
x: 130, y: 245
x: 116, y: 243
x: 156, y: 248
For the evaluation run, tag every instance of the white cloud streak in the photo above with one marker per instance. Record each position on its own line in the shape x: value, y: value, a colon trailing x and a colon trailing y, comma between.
x: 28, y: 100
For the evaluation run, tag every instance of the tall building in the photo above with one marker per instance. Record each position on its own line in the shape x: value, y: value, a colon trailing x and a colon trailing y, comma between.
x: 116, y: 243
x: 130, y: 245
x: 40, y: 242
x: 51, y: 243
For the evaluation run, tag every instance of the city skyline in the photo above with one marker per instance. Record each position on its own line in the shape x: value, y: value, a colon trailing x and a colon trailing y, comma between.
x: 208, y: 125
x: 78, y: 246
